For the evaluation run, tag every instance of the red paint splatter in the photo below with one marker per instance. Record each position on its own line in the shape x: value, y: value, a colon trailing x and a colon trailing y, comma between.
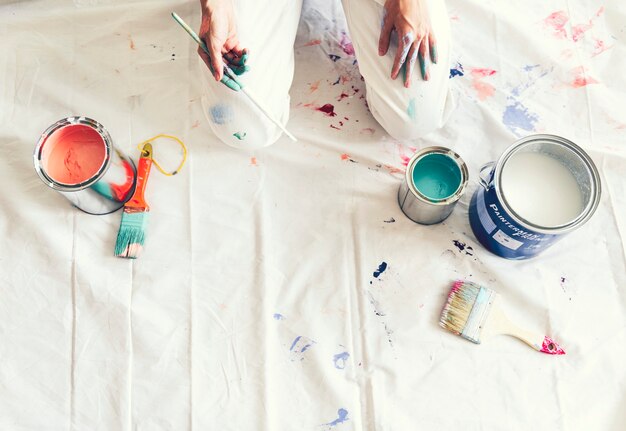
x: 581, y: 79
x: 313, y: 42
x: 345, y: 156
x: 328, y: 109
x: 550, y: 347
x: 342, y: 96
x: 253, y: 161
x: 334, y: 127
x: 556, y: 21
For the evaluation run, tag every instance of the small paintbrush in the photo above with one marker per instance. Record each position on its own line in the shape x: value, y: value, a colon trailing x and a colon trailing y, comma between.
x: 132, y: 233
x: 474, y: 313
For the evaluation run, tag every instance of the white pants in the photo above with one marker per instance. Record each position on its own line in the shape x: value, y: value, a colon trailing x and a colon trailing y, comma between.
x: 269, y: 33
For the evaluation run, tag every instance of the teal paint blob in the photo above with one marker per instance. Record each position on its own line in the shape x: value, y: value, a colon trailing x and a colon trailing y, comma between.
x: 410, y: 110
x: 436, y: 176
x: 240, y: 135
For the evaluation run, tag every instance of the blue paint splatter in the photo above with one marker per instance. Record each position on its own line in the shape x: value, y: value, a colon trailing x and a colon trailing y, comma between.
x: 299, y: 346
x: 457, y: 71
x: 530, y: 67
x: 221, y: 113
x: 381, y: 268
x: 518, y: 119
x: 342, y: 417
x: 279, y: 317
x: 340, y: 360
x: 410, y: 110
x: 334, y: 57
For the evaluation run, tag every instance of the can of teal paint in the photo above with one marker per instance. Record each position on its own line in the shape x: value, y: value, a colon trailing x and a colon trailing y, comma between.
x: 77, y: 157
x: 541, y: 188
x: 435, y: 179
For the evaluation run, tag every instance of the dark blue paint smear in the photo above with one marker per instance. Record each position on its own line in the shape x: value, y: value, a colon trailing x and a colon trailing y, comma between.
x: 381, y: 268
x: 334, y: 57
x: 457, y: 71
x: 343, y: 417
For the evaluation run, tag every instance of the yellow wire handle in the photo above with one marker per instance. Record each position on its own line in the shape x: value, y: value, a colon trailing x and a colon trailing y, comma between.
x: 173, y: 138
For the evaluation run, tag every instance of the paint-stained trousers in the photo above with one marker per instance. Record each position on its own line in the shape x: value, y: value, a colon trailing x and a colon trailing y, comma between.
x: 269, y: 33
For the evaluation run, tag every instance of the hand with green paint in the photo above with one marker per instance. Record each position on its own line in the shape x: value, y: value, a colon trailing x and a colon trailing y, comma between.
x: 219, y: 32
x: 411, y: 22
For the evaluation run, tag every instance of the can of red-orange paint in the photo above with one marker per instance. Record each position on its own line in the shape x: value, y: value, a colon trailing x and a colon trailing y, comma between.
x: 76, y: 157
x: 541, y: 187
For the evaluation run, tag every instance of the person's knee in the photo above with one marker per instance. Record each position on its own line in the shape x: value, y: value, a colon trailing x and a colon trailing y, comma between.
x: 408, y: 120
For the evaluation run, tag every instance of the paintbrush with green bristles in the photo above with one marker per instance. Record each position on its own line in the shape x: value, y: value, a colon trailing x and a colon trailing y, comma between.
x: 132, y: 233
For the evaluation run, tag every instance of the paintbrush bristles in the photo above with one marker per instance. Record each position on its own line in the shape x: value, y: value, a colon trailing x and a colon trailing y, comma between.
x: 458, y: 306
x: 132, y: 234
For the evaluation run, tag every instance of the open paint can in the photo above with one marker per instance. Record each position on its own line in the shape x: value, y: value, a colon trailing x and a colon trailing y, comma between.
x: 76, y: 157
x: 435, y: 180
x: 542, y: 187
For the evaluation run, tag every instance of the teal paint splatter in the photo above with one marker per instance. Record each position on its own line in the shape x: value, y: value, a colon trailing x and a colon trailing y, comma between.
x: 240, y: 135
x: 410, y: 110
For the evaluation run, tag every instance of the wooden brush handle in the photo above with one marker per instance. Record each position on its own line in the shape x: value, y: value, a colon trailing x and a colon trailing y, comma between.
x: 505, y: 326
x: 143, y: 170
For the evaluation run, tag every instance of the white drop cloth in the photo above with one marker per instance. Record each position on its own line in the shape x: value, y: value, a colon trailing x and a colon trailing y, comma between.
x: 252, y: 307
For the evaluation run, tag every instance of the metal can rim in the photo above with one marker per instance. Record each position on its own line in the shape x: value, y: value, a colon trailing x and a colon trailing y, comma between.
x: 437, y: 150
x: 68, y: 121
x: 596, y: 186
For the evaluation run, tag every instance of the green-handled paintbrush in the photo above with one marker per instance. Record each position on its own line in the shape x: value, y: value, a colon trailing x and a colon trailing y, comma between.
x: 132, y: 233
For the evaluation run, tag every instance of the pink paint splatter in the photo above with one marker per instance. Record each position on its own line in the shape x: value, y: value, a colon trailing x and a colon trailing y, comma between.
x: 454, y: 18
x: 483, y: 90
x: 314, y: 86
x: 405, y: 160
x: 346, y: 44
x: 328, y: 109
x: 313, y: 42
x: 195, y: 124
x: 368, y: 131
x: 550, y: 347
x: 599, y: 47
x: 394, y: 170
x: 556, y: 21
x: 579, y: 30
x: 131, y: 43
x: 581, y: 79
x: 345, y: 156
x: 253, y: 161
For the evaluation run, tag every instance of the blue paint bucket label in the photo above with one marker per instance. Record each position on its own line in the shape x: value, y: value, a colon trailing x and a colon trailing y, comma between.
x: 500, y: 229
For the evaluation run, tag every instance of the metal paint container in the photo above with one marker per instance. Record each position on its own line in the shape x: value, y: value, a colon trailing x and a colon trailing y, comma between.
x: 103, y: 192
x: 501, y: 229
x: 435, y: 180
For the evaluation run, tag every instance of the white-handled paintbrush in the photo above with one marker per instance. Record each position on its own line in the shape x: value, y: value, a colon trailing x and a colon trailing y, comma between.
x: 232, y: 76
x: 474, y: 313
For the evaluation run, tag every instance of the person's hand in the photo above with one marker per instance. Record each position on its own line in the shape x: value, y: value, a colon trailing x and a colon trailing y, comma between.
x: 410, y: 20
x: 220, y: 35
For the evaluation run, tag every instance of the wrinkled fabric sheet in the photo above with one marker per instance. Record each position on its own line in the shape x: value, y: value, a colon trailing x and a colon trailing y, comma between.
x: 255, y: 305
